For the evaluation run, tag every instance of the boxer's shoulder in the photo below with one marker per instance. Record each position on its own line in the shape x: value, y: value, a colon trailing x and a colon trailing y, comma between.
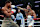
x: 3, y: 8
x: 33, y: 11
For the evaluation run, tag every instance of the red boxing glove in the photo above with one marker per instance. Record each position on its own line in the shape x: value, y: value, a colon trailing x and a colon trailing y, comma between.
x: 13, y: 11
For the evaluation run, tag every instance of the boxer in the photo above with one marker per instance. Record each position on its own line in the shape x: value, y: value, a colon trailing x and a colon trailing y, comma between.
x: 30, y: 15
x: 7, y: 22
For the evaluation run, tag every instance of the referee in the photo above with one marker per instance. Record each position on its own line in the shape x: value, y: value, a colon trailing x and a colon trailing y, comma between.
x: 19, y: 16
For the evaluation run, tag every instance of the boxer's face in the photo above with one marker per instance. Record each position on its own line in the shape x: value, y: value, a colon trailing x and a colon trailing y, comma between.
x: 18, y: 11
x: 9, y: 4
x: 28, y: 7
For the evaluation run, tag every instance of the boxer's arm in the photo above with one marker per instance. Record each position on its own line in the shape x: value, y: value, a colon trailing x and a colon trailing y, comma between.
x: 34, y: 14
x: 10, y: 9
x: 22, y: 8
x: 6, y: 13
x: 1, y: 15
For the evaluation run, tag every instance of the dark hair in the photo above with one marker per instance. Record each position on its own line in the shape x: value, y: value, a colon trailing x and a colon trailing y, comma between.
x: 7, y: 2
x: 30, y: 5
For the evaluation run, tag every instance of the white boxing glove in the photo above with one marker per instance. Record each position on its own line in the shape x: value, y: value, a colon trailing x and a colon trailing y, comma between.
x: 29, y: 16
x: 12, y: 6
x: 13, y: 11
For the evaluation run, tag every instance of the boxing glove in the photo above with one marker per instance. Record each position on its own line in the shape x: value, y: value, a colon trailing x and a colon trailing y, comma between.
x: 13, y: 11
x: 29, y: 16
x: 13, y: 6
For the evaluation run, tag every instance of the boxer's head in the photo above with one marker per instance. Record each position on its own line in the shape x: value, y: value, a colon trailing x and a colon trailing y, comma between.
x: 28, y: 7
x: 18, y: 11
x: 8, y: 3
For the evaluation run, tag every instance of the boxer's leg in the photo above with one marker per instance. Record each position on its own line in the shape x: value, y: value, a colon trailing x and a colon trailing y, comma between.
x: 8, y: 23
x: 13, y: 24
x: 31, y: 23
x: 4, y: 24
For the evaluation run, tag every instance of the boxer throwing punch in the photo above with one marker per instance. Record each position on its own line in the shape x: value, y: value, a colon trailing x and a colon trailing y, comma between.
x: 7, y: 22
x: 30, y: 15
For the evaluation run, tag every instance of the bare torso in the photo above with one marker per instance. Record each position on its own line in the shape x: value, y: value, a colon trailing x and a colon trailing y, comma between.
x: 29, y: 13
x: 6, y: 9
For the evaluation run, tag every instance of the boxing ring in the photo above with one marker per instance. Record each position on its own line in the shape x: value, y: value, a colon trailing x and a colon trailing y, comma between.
x: 23, y: 22
x: 34, y: 22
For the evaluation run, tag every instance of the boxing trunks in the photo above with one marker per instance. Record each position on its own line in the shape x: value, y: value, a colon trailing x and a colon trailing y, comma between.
x: 30, y: 21
x: 7, y: 22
